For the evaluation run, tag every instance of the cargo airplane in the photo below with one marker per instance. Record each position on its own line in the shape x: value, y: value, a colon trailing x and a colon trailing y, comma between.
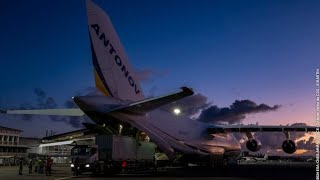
x: 123, y: 101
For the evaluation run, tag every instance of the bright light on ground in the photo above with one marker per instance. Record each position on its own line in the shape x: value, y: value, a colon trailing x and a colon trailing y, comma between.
x: 177, y: 111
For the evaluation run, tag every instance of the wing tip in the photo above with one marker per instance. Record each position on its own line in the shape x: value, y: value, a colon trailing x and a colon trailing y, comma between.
x: 3, y: 111
x: 187, y: 90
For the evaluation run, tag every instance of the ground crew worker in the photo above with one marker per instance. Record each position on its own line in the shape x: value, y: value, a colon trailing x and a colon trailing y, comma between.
x: 20, y: 166
x: 124, y: 165
x: 76, y: 166
x: 36, y: 165
x: 30, y: 166
x: 48, y: 166
x: 155, y: 164
x: 40, y: 170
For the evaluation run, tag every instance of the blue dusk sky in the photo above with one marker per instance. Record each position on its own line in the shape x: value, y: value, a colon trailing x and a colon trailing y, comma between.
x: 265, y: 51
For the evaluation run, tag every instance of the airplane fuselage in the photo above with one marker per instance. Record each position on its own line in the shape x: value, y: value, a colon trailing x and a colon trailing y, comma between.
x: 172, y: 133
x: 184, y: 134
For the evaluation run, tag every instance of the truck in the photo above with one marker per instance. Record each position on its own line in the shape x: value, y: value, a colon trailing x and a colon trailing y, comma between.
x: 113, y: 154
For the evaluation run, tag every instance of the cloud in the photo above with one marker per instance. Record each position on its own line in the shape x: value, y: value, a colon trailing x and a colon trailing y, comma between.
x: 270, y: 140
x: 89, y: 91
x: 297, y: 135
x: 190, y: 105
x: 148, y: 75
x: 308, y: 145
x: 40, y: 96
x: 45, y: 102
x: 75, y: 121
x: 235, y: 113
x: 152, y: 91
x: 144, y: 74
x: 209, y: 113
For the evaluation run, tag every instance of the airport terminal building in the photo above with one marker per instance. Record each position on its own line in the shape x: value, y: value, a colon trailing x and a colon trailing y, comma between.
x: 11, y: 148
x: 59, y: 146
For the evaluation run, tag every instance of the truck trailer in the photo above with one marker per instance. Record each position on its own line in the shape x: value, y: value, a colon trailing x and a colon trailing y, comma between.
x: 113, y: 154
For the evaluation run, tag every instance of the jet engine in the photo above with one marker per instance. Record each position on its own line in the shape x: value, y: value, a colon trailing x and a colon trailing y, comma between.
x: 289, y: 146
x: 253, y: 145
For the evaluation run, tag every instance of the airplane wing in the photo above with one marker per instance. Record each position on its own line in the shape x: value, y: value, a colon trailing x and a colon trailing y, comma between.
x: 53, y: 112
x: 153, y: 103
x: 139, y: 107
x: 258, y: 128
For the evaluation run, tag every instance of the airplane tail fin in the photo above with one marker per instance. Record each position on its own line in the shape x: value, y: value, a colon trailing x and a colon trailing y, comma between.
x: 113, y: 74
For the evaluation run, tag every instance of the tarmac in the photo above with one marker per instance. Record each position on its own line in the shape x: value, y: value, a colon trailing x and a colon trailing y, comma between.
x: 243, y: 171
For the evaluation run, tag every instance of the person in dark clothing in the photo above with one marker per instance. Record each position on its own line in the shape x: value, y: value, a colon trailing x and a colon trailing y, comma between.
x: 20, y: 166
x: 155, y: 165
x: 48, y: 166
x: 36, y: 164
x: 76, y: 166
x: 41, y: 166
x: 30, y: 166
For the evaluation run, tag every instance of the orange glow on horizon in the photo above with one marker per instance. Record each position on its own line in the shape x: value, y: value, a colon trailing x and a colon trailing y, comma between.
x: 300, y: 151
